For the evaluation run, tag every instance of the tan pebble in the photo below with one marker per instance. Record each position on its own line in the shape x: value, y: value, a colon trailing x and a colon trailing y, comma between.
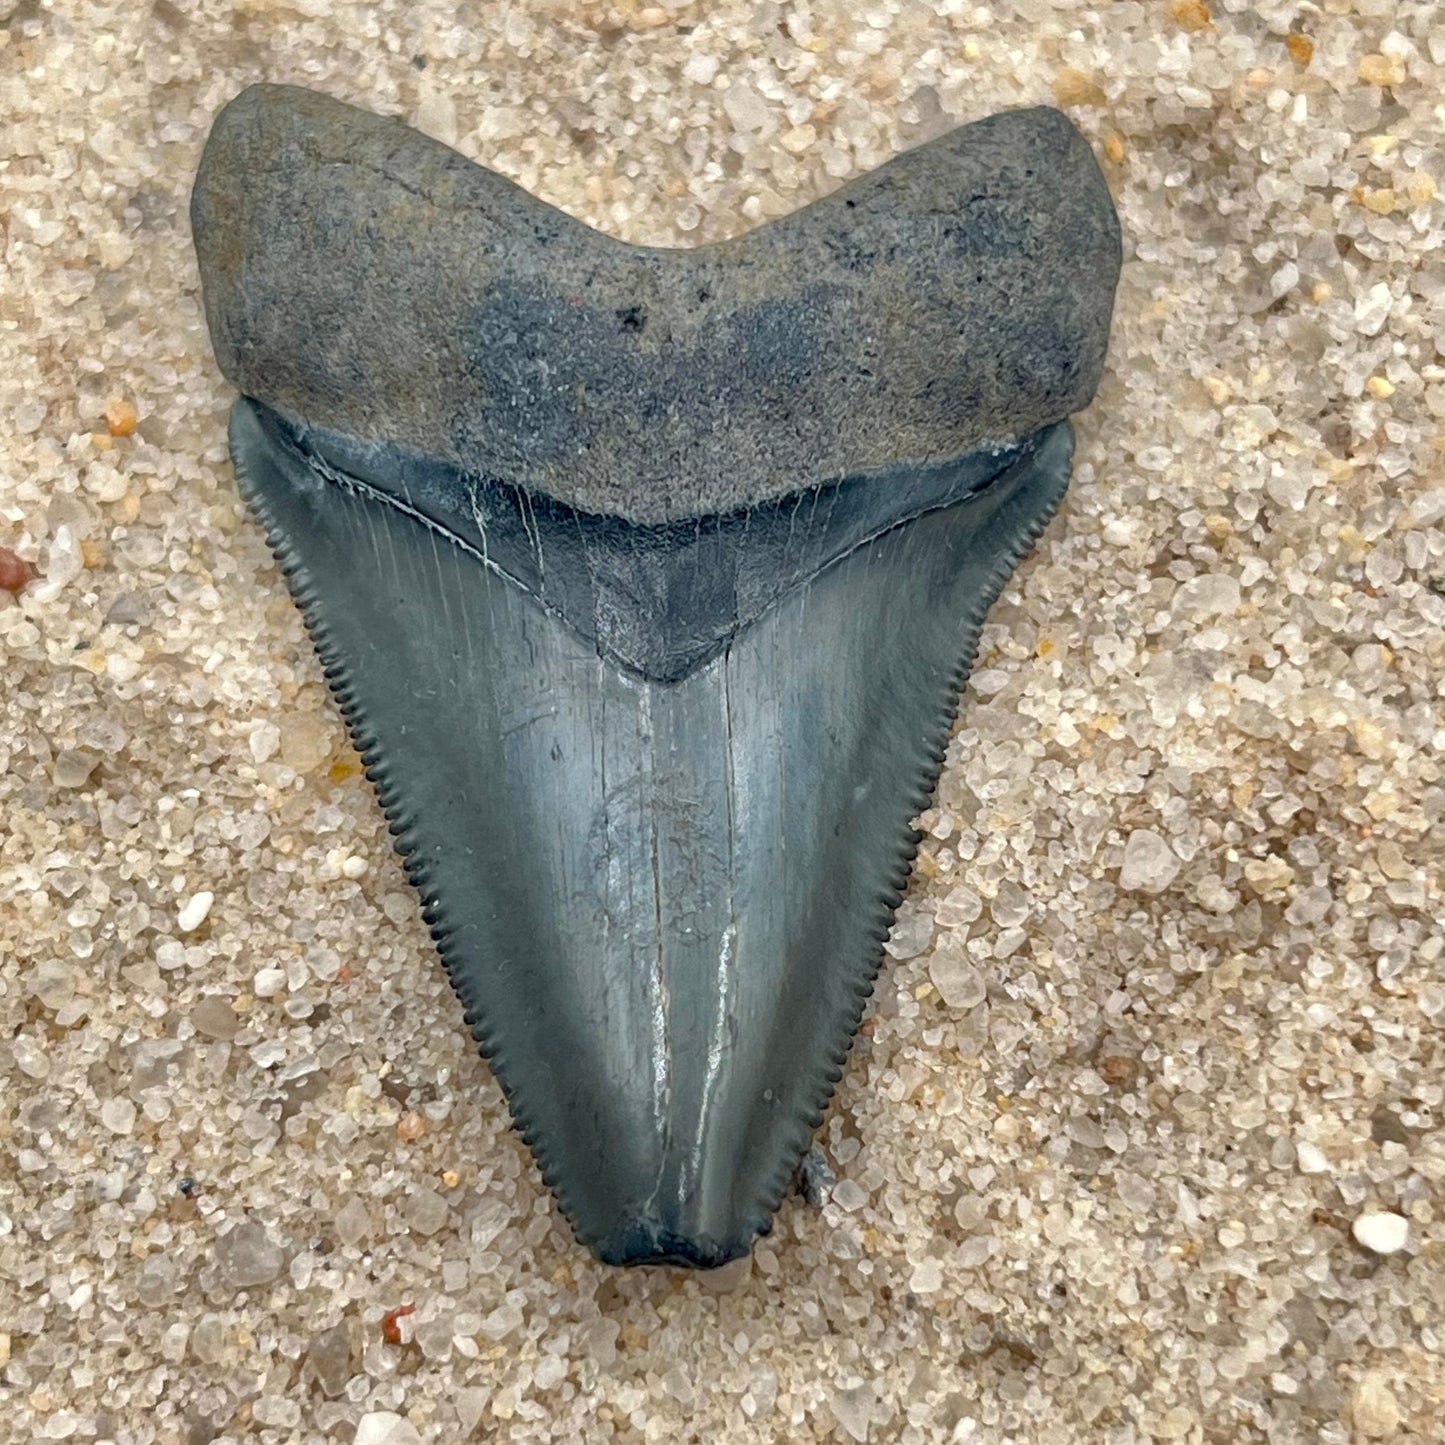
x: 1392, y: 860
x: 92, y: 554
x: 1114, y: 147
x: 1382, y: 70
x: 1120, y: 1070
x: 1218, y: 526
x: 800, y: 139
x: 1073, y: 87
x: 1372, y: 739
x: 1268, y: 876
x: 1381, y: 202
x: 1218, y: 388
x: 1421, y: 189
x: 127, y: 509
x: 1192, y: 15
x: 1178, y: 1423
x: 1321, y: 291
x: 347, y: 766
x: 410, y: 1127
x: 1227, y: 974
x: 1381, y: 387
x: 883, y: 78
x: 1383, y: 804
x: 4, y: 1350
x: 1374, y: 1410
x: 1301, y: 48
x: 120, y: 419
x: 450, y: 1178
x: 650, y: 19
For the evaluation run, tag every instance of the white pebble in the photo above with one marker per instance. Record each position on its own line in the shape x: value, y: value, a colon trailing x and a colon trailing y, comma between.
x: 1284, y: 280
x: 927, y: 1277
x: 1311, y: 1158
x: 66, y: 560
x: 277, y: 1411
x: 354, y: 867
x: 436, y: 116
x: 195, y: 912
x: 385, y: 1427
x: 27, y: 416
x: 1372, y: 309
x: 72, y: 768
x: 60, y: 1426
x: 959, y: 983
x: 853, y: 1409
x: 1215, y: 594
x: 912, y: 933
x: 268, y: 982
x: 1381, y: 1232
x: 265, y: 741
x: 1428, y: 508
x: 701, y: 69
x: 1150, y: 864
x: 470, y: 1403
x: 118, y: 1115
x: 849, y: 1195
x: 745, y: 107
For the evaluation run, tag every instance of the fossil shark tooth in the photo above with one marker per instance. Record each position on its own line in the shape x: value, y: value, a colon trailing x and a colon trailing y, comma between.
x: 647, y: 581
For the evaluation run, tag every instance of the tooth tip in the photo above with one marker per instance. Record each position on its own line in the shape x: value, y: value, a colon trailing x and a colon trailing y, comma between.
x: 641, y: 1239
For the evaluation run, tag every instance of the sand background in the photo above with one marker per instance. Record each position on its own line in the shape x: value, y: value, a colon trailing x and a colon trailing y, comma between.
x: 1163, y: 1022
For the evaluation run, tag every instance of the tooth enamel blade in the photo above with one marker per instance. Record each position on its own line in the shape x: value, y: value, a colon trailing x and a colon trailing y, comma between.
x: 662, y: 903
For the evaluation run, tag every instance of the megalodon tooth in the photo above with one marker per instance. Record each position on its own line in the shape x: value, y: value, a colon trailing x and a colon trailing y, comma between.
x: 647, y: 581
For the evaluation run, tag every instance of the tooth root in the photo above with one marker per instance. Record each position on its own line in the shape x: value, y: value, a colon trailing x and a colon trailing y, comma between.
x: 662, y: 904
x: 364, y: 277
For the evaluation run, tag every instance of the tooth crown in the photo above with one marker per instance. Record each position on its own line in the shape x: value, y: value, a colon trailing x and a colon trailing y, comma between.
x: 661, y: 903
